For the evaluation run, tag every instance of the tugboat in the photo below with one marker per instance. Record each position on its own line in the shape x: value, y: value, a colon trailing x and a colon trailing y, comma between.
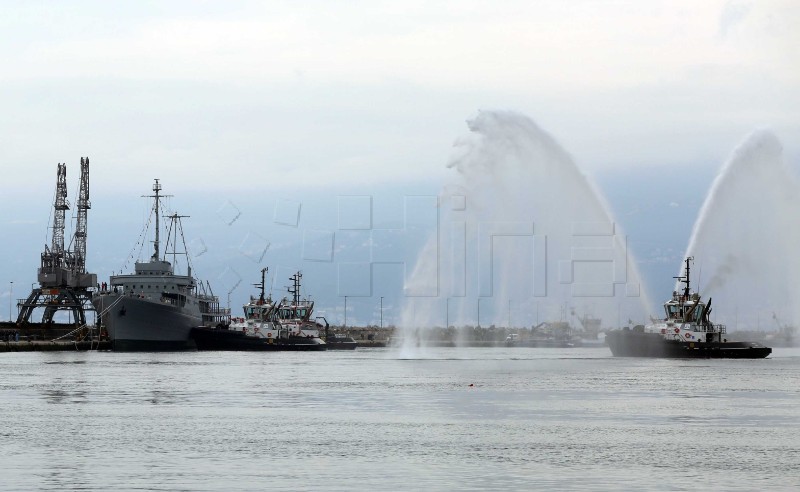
x: 266, y: 325
x: 686, y: 332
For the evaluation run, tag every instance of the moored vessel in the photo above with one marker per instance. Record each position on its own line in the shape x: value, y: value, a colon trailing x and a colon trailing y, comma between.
x: 337, y: 341
x: 686, y: 331
x: 155, y: 309
x: 266, y: 325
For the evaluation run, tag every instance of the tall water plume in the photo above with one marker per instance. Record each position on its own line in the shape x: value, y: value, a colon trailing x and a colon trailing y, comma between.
x: 747, y: 237
x: 523, y: 238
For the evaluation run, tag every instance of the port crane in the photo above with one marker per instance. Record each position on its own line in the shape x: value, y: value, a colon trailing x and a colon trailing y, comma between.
x: 64, y: 283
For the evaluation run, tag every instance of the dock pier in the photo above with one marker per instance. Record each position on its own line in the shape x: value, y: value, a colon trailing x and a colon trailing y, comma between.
x: 54, y: 346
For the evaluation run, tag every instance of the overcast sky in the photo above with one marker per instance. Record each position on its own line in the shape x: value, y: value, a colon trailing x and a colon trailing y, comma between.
x: 234, y: 94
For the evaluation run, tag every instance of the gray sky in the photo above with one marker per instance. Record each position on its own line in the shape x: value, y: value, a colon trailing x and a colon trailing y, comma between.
x: 278, y: 98
x: 206, y: 94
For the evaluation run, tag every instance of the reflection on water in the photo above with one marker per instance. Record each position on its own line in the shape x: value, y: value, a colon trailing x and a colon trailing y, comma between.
x: 467, y: 419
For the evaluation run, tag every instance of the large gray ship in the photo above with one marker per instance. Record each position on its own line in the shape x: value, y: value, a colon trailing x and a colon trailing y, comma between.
x: 153, y: 309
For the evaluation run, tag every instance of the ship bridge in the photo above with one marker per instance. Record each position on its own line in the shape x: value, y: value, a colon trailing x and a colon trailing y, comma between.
x: 684, y: 309
x: 158, y: 267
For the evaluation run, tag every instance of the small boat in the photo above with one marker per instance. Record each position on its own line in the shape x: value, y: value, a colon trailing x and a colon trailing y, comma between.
x: 337, y: 341
x: 266, y: 326
x: 686, y: 331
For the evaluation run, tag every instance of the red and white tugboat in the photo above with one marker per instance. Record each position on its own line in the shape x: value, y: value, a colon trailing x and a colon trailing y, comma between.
x: 685, y: 332
x: 266, y: 325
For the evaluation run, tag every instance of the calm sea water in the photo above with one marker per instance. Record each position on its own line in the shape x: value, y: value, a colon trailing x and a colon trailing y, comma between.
x: 468, y: 419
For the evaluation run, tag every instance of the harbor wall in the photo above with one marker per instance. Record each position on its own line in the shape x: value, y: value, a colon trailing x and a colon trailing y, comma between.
x: 53, y: 346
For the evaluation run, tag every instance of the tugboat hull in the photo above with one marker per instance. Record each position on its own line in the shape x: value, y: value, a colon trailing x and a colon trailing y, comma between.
x: 232, y: 340
x: 625, y: 343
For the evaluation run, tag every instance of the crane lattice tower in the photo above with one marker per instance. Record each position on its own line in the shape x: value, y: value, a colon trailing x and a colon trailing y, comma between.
x: 64, y: 284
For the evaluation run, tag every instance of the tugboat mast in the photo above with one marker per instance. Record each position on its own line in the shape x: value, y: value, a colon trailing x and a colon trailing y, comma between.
x: 685, y: 280
x: 261, y: 285
x: 295, y: 289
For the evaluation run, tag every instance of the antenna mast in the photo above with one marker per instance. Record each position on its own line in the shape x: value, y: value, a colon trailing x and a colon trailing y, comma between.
x: 175, y: 228
x: 261, y: 285
x: 685, y: 279
x: 295, y: 289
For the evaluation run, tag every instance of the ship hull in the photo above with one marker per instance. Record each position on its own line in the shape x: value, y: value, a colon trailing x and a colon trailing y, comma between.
x: 233, y: 340
x: 347, y: 344
x: 636, y: 344
x: 137, y: 324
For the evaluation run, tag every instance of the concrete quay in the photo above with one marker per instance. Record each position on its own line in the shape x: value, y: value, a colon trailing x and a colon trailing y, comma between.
x: 54, y: 346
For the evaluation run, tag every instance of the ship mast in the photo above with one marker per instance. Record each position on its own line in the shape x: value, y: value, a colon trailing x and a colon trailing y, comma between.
x: 156, y: 189
x: 156, y: 207
x: 295, y: 289
x: 261, y: 285
x: 176, y: 226
x: 685, y: 279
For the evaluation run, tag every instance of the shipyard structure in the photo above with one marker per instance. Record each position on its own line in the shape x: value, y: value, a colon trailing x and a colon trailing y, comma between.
x: 63, y: 281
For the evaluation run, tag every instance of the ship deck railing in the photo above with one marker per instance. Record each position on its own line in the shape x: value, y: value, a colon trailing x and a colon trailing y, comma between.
x: 217, y: 312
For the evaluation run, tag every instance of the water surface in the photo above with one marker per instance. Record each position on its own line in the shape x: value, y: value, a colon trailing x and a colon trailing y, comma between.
x: 459, y: 419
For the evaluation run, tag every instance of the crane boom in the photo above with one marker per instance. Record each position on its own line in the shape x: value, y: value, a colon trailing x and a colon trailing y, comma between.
x: 83, y: 205
x: 52, y: 271
x: 60, y: 207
